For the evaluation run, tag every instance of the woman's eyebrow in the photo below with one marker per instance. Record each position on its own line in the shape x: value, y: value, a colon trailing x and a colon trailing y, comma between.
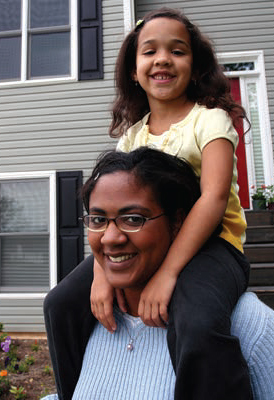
x: 96, y: 210
x: 124, y: 210
x: 132, y: 207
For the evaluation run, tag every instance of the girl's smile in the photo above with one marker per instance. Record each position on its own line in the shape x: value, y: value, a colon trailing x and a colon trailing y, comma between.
x: 164, y: 60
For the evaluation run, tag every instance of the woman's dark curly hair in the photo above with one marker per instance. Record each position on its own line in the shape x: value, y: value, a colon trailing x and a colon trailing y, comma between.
x: 211, y: 89
x: 172, y: 180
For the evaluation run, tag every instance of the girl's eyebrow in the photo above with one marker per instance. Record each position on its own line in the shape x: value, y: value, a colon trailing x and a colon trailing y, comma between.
x: 175, y: 41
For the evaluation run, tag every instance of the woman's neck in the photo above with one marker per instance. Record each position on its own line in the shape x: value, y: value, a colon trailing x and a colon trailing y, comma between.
x: 132, y: 297
x: 162, y: 116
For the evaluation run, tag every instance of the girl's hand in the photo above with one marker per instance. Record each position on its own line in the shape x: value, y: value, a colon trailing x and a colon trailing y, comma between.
x: 155, y: 298
x: 101, y: 299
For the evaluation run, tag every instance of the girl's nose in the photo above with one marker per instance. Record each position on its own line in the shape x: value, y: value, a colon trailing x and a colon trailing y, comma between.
x: 113, y: 235
x: 163, y: 58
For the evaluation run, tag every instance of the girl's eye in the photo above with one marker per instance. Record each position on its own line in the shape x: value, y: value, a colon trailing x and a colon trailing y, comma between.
x: 149, y: 52
x: 178, y: 52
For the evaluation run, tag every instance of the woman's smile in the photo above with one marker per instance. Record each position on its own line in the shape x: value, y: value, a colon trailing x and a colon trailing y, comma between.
x: 128, y: 258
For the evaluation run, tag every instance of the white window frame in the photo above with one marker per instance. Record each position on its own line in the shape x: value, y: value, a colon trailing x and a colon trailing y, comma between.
x: 129, y: 15
x: 255, y: 76
x: 24, y: 47
x: 51, y: 175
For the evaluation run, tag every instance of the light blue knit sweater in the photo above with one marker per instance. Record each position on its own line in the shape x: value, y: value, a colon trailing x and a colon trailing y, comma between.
x: 110, y: 371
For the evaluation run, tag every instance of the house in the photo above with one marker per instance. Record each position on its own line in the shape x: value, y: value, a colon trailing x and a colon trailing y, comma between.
x: 56, y: 86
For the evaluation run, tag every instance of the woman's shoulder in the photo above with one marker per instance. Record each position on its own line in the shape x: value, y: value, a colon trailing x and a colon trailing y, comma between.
x: 253, y: 323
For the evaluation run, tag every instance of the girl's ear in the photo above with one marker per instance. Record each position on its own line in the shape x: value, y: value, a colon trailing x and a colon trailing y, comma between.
x: 134, y: 76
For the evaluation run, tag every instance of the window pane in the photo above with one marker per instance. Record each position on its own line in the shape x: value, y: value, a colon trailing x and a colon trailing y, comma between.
x: 256, y: 132
x: 10, y: 15
x: 10, y: 58
x: 50, y: 54
x: 244, y: 66
x: 49, y: 13
x: 24, y: 261
x: 24, y: 206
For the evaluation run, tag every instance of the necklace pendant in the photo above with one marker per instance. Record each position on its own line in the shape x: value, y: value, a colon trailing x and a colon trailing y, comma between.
x: 130, y: 345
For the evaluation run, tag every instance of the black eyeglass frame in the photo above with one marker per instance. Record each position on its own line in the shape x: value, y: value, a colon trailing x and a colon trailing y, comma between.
x: 144, y: 219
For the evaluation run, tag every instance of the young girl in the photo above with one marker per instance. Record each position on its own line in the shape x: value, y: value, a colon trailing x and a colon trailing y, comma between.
x: 172, y: 95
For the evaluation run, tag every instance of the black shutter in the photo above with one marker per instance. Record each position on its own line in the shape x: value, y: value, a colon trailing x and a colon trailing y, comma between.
x: 90, y: 39
x: 70, y: 248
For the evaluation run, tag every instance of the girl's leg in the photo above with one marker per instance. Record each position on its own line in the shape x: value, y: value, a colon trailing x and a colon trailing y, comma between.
x: 207, y: 360
x: 69, y: 323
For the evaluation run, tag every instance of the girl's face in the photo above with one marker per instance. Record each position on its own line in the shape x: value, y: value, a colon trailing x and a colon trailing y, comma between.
x: 128, y: 259
x: 164, y: 60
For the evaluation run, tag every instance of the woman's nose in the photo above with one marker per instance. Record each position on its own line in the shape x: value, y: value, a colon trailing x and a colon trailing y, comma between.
x: 113, y: 235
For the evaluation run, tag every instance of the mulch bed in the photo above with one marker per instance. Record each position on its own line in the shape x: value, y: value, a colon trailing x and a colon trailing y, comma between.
x: 39, y: 380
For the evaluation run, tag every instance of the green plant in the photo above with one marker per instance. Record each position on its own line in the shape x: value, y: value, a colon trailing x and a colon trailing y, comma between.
x: 19, y: 392
x: 269, y: 193
x: 3, y: 335
x: 29, y: 360
x: 4, y: 382
x: 44, y: 393
x: 35, y: 346
x: 259, y: 193
x: 48, y: 370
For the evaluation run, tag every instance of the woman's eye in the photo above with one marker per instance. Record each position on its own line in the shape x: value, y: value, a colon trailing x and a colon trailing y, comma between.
x: 97, y: 220
x: 133, y: 219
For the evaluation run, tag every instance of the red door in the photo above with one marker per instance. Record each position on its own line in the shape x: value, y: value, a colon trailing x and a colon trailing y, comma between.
x: 240, y: 152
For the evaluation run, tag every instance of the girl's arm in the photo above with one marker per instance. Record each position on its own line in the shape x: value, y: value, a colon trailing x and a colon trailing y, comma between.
x: 101, y: 298
x: 204, y: 217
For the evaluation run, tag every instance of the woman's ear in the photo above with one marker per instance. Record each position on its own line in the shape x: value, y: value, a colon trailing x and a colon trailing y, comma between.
x: 178, y: 222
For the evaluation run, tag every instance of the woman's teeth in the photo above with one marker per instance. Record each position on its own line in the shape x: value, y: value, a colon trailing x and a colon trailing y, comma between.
x: 121, y: 258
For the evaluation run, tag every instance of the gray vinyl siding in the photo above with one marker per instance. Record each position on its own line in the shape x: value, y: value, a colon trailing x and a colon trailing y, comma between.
x: 22, y: 315
x: 232, y: 25
x: 60, y: 126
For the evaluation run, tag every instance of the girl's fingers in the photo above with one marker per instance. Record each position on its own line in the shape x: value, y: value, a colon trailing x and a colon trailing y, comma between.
x: 163, y: 313
x: 147, y: 315
x: 103, y: 313
x: 110, y: 323
x: 155, y: 316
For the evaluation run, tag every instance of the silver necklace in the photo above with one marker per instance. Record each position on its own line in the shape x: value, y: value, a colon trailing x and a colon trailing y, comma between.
x: 130, y: 345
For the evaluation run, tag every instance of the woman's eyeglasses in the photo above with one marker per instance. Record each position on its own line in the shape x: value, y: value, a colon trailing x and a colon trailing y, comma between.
x: 126, y: 223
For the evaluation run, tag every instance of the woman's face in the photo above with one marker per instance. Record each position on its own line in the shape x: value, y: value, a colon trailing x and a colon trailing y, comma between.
x: 128, y: 259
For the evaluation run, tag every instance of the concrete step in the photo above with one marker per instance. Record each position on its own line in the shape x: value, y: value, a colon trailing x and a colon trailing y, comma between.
x: 262, y: 274
x: 259, y: 218
x: 260, y: 234
x: 259, y: 253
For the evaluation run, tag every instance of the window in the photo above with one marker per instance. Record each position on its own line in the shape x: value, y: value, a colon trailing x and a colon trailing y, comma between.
x: 26, y: 230
x: 39, y: 40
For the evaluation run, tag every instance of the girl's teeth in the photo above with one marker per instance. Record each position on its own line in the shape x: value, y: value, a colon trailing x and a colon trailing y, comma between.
x: 161, y: 77
x: 121, y: 258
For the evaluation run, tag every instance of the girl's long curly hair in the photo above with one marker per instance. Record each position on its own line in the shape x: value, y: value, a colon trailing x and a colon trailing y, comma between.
x: 211, y: 87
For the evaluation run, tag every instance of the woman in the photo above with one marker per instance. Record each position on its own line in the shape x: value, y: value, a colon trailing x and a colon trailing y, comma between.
x: 136, y: 204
